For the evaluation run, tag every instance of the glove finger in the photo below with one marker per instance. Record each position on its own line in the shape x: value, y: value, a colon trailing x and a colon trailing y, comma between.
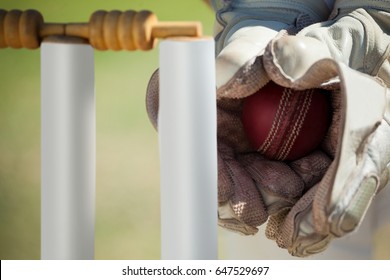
x: 225, y: 185
x: 311, y: 168
x: 332, y: 138
x: 296, y: 232
x: 245, y: 203
x: 239, y: 64
x: 230, y: 129
x: 290, y: 65
x: 279, y: 185
x: 274, y: 223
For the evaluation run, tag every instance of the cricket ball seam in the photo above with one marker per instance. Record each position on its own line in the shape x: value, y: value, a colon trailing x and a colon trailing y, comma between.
x: 275, y: 125
x: 291, y: 117
x: 300, y: 114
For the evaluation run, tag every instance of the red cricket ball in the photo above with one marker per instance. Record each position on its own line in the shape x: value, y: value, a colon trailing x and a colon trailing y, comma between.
x: 286, y: 124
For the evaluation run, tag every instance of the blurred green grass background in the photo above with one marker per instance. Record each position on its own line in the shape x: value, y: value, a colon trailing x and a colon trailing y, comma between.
x: 127, y: 194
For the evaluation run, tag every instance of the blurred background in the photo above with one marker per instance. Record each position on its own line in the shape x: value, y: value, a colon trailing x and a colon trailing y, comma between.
x: 127, y: 190
x: 127, y: 194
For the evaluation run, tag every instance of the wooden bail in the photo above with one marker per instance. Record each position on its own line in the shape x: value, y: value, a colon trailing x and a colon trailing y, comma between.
x: 114, y: 30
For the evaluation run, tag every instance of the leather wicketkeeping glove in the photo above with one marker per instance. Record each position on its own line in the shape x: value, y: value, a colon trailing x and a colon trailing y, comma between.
x: 250, y: 186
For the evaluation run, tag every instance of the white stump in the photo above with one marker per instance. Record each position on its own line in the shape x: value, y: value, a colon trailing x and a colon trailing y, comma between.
x: 188, y: 149
x: 67, y: 151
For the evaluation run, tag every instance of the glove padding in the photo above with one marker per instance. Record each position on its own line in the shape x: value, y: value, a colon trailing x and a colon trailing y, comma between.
x: 357, y: 34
